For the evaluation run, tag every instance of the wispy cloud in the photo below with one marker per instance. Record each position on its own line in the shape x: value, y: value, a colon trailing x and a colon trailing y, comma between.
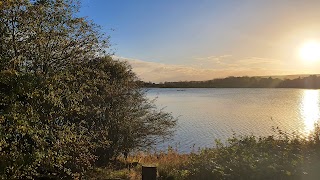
x: 213, y: 58
x: 160, y: 72
x: 230, y: 62
x: 259, y: 61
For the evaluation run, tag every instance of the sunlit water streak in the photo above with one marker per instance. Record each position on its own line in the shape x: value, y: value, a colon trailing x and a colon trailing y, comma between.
x: 310, y: 109
x: 208, y: 114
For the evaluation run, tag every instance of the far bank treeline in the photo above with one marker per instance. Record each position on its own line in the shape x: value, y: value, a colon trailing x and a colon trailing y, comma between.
x: 310, y: 82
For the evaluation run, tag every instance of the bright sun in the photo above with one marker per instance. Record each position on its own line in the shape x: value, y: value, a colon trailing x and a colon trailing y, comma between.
x: 310, y: 51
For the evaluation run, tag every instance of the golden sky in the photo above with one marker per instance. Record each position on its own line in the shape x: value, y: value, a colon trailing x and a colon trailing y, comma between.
x: 200, y: 40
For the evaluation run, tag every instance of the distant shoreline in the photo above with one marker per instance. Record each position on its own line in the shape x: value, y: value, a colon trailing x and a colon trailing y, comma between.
x: 309, y: 82
x: 230, y: 88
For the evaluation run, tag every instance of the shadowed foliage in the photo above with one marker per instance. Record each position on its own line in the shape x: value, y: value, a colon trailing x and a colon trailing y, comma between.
x: 65, y: 105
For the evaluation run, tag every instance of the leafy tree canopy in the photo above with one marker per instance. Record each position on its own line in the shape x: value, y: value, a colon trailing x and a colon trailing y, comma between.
x: 65, y: 105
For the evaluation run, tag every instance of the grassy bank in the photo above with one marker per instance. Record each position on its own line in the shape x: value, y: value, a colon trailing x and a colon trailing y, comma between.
x: 245, y: 157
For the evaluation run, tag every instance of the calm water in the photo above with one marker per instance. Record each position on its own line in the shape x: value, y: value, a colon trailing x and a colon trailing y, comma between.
x: 208, y: 114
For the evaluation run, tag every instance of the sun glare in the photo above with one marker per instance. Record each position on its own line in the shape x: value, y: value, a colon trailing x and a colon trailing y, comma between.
x: 310, y: 51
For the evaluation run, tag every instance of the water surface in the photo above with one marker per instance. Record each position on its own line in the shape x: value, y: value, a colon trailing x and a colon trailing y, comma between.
x: 206, y: 114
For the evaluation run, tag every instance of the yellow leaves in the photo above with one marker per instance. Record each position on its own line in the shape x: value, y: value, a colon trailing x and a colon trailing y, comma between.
x: 288, y: 173
x: 12, y: 3
x: 9, y: 72
x: 2, y: 119
x: 22, y: 129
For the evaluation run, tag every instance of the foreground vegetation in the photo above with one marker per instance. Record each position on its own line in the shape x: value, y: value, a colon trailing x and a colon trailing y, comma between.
x: 246, y: 157
x: 66, y: 107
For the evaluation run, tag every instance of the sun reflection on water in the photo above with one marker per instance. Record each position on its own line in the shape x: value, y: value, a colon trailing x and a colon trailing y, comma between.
x: 310, y: 109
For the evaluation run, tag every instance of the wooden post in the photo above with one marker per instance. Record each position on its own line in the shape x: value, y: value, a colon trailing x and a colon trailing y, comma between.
x: 149, y: 173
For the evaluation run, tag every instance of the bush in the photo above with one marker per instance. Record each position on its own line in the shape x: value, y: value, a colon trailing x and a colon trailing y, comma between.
x: 242, y: 157
x: 251, y: 157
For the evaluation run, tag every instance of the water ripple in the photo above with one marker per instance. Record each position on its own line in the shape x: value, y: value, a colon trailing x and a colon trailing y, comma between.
x: 208, y: 114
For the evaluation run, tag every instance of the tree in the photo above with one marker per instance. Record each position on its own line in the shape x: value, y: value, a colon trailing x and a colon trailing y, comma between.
x: 65, y: 104
x: 46, y: 36
x: 109, y: 97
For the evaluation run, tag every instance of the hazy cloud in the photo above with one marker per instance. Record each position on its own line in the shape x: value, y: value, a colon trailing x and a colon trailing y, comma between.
x: 160, y: 72
x: 213, y: 58
x: 229, y: 62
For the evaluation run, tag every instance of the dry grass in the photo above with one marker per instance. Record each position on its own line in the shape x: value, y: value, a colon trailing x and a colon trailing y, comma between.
x: 168, y: 163
x: 244, y: 157
x: 170, y: 158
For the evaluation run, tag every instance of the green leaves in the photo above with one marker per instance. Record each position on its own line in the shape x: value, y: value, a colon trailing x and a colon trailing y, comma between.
x: 65, y: 105
x: 251, y: 157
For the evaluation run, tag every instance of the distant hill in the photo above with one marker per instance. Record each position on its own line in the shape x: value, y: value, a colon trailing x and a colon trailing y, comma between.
x: 293, y: 76
x: 289, y: 81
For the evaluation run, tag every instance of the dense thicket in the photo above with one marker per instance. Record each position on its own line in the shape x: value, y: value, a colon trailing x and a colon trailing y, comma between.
x: 281, y: 156
x: 310, y: 82
x: 65, y: 105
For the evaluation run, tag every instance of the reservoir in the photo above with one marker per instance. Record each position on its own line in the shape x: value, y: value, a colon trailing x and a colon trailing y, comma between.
x: 207, y: 114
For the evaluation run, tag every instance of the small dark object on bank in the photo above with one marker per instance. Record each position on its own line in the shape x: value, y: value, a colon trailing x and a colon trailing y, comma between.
x: 149, y: 173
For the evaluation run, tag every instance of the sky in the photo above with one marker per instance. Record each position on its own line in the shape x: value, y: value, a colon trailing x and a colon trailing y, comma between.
x: 178, y: 40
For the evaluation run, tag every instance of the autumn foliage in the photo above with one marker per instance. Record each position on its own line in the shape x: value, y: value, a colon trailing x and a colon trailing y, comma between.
x: 66, y: 106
